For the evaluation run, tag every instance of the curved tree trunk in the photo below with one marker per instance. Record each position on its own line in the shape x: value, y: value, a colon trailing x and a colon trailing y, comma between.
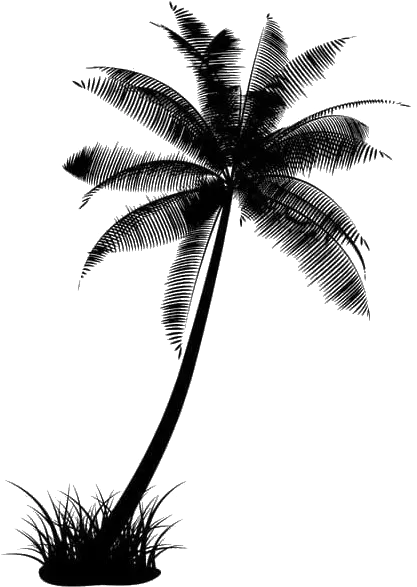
x: 137, y: 486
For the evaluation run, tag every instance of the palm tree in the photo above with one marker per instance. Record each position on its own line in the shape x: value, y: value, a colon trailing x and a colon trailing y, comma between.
x: 232, y: 148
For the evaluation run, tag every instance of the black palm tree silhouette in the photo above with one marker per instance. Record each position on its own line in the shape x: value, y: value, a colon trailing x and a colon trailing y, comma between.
x: 231, y: 149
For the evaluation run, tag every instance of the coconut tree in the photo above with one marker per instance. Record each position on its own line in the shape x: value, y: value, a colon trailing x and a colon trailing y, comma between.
x: 232, y: 148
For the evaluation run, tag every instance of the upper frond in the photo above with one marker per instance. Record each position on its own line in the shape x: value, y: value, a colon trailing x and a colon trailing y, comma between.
x: 271, y: 56
x: 214, y: 61
x: 158, y: 222
x: 158, y: 107
x: 219, y: 89
x: 193, y: 30
x: 182, y: 280
x: 348, y: 105
x: 280, y: 93
x: 120, y: 168
x: 294, y: 215
x: 262, y: 107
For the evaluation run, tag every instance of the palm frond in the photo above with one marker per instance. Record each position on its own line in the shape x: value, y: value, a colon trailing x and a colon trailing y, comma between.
x: 194, y: 54
x: 194, y: 38
x: 292, y: 77
x: 315, y: 231
x: 262, y: 107
x: 271, y: 138
x: 328, y: 143
x: 158, y: 107
x: 122, y: 169
x: 158, y: 222
x: 305, y: 69
x: 214, y: 61
x: 321, y: 210
x: 193, y: 30
x: 182, y: 280
x: 219, y: 90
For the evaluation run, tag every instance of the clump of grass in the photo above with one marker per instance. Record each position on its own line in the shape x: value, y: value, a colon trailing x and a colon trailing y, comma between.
x: 64, y: 541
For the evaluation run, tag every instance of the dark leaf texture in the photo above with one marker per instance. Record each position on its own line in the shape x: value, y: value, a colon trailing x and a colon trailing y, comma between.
x: 214, y: 61
x: 232, y: 143
x: 193, y: 30
x: 158, y: 222
x: 262, y: 106
x: 314, y: 231
x: 328, y: 143
x: 182, y: 280
x: 266, y: 142
x: 122, y: 169
x: 158, y: 107
x: 277, y: 87
x: 219, y: 89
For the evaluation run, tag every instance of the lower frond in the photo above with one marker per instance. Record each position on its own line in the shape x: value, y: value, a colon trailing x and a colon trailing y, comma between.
x: 120, y: 168
x: 182, y: 280
x: 158, y: 222
x: 315, y: 232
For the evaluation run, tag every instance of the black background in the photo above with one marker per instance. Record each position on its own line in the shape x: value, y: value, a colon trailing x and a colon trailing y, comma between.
x: 287, y: 402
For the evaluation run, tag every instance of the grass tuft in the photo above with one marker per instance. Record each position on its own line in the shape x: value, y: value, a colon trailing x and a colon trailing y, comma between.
x: 63, y: 540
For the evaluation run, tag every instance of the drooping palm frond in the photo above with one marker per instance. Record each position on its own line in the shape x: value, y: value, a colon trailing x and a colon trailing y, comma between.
x: 182, y: 280
x: 122, y: 169
x: 313, y: 229
x: 158, y: 222
x: 158, y: 107
x: 328, y: 143
x: 256, y: 153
